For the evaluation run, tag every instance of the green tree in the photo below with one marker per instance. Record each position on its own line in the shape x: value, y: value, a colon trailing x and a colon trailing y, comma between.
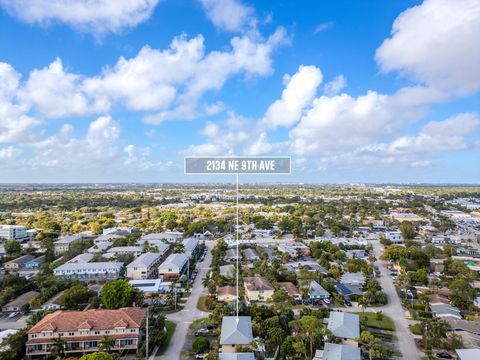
x: 76, y: 297
x: 57, y: 348
x: 12, y: 247
x: 119, y: 293
x: 462, y: 294
x: 408, y: 230
x: 106, y: 344
x: 200, y: 345
x: 97, y: 356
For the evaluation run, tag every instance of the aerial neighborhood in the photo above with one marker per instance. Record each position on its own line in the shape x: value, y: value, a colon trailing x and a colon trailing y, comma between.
x: 374, y: 274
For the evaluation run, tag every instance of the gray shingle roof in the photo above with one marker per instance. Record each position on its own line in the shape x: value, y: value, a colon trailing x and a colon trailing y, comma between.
x: 344, y: 325
x: 236, y: 334
x: 145, y: 260
x: 236, y: 356
x: 340, y: 352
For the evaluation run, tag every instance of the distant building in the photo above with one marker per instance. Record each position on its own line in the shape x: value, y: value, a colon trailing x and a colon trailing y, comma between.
x: 235, y: 334
x: 468, y: 354
x: 13, y: 232
x: 54, y: 302
x: 83, y: 331
x: 35, y: 263
x: 120, y: 230
x: 63, y: 244
x: 395, y: 237
x: 258, y: 288
x: 191, y: 246
x: 19, y: 303
x: 81, y: 259
x: 231, y: 255
x: 144, y: 267
x: 294, y: 249
x: 123, y: 250
x: 174, y: 266
x: 18, y: 263
x: 89, y: 271
x: 357, y: 279
x: 152, y: 286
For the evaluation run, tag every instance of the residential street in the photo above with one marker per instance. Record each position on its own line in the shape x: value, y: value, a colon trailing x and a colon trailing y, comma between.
x: 190, y: 312
x: 394, y: 309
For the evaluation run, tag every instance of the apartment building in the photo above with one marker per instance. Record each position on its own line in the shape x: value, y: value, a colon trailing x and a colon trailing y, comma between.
x: 62, y: 245
x: 89, y: 271
x: 83, y: 331
x: 13, y: 232
x: 174, y: 266
x: 144, y: 267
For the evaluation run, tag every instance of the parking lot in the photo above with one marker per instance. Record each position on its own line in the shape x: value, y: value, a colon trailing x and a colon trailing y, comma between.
x: 14, y: 323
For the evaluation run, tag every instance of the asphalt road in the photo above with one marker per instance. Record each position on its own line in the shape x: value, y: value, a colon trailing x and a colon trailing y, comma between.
x: 395, y: 310
x: 190, y: 312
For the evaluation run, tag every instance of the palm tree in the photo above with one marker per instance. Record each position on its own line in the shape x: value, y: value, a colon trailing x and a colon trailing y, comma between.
x: 57, y: 349
x: 363, y: 302
x: 106, y: 343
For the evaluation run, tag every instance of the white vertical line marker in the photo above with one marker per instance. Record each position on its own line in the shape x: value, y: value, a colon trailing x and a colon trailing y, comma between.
x: 238, y: 258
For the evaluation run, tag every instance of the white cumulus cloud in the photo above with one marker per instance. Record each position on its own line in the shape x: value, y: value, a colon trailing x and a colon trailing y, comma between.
x: 95, y: 16
x: 229, y: 15
x: 436, y: 43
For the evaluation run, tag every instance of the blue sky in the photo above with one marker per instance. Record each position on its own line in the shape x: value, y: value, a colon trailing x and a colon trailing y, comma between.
x: 354, y: 91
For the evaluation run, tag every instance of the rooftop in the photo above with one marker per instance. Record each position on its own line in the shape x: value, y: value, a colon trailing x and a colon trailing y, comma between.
x: 145, y: 260
x: 257, y: 283
x: 344, y: 325
x: 234, y: 333
x: 94, y: 319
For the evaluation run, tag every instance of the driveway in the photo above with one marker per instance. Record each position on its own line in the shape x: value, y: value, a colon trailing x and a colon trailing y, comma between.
x: 190, y: 312
x: 395, y: 310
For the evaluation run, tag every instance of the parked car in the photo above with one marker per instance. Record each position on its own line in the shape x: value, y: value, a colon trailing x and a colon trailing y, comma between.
x: 348, y: 303
x: 444, y: 355
x: 327, y: 301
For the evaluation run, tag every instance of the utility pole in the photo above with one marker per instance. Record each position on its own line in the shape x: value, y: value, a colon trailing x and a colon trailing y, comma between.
x: 146, y: 344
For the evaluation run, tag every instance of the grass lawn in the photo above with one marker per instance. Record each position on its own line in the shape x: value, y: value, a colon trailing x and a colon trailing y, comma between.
x: 170, y: 326
x: 201, y: 303
x: 416, y: 329
x: 371, y: 320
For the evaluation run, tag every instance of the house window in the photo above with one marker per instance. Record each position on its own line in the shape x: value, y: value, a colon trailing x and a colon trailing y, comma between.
x: 107, y: 331
x: 97, y: 332
x: 71, y: 334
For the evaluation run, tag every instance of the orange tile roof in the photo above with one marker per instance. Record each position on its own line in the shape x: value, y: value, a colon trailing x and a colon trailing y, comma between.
x: 95, y: 319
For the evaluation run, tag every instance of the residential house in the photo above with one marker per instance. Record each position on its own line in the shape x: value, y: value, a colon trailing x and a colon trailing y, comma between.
x: 174, y: 266
x: 18, y: 263
x: 19, y: 303
x: 169, y: 236
x: 317, y: 292
x: 357, y: 279
x: 89, y: 271
x: 338, y: 352
x: 258, y: 288
x: 152, y: 286
x: 231, y: 255
x: 347, y: 290
x: 63, y: 244
x: 106, y: 239
x: 440, y: 310
x: 345, y: 326
x: 83, y: 331
x: 227, y: 293
x: 251, y: 255
x: 294, y: 249
x: 308, y: 265
x: 54, y: 303
x: 144, y: 267
x: 468, y: 354
x: 291, y: 290
x: 235, y: 332
x: 35, y: 263
x: 191, y: 246
x: 236, y: 356
x: 395, y: 237
x: 120, y: 230
x: 356, y: 254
